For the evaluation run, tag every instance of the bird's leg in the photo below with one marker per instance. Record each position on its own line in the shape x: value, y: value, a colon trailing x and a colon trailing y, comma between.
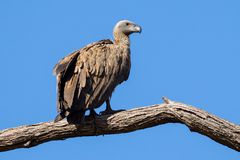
x: 109, y: 110
x: 93, y: 114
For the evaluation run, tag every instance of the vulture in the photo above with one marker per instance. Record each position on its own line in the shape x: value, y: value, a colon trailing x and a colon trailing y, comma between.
x: 87, y: 77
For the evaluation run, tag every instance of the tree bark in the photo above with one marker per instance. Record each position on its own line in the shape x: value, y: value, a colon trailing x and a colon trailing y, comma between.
x: 195, y: 119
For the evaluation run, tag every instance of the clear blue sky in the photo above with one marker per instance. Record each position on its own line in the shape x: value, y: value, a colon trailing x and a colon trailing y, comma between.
x: 188, y: 51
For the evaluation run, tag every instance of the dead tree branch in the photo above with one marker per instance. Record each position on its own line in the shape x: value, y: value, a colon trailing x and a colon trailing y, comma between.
x: 195, y: 119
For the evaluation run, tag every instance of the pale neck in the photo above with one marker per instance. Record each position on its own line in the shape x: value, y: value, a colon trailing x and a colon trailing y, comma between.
x: 121, y: 39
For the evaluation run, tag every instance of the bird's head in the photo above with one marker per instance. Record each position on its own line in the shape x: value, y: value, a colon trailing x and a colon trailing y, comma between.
x: 127, y: 27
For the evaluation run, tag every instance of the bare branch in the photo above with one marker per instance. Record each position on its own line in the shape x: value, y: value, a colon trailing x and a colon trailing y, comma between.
x: 195, y: 119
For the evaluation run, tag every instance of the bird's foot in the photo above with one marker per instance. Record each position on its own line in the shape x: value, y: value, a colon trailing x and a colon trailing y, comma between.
x: 110, y: 111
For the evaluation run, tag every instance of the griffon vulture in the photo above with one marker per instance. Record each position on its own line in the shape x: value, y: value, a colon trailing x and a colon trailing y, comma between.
x: 87, y: 77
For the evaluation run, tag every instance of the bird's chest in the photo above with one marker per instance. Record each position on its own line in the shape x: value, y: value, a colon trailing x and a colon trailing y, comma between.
x: 126, y: 62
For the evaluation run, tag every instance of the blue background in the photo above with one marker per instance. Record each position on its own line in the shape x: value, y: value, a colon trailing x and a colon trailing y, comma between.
x: 188, y: 51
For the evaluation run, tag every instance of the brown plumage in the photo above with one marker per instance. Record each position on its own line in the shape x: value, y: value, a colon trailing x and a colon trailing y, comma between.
x: 87, y: 77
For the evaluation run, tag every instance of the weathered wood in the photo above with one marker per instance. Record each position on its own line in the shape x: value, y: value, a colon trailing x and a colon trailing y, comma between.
x: 195, y: 119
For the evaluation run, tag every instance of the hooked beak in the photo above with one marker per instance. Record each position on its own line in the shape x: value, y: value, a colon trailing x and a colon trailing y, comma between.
x: 137, y: 28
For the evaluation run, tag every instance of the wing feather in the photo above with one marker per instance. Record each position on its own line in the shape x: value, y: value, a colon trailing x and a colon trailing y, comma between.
x: 64, y: 66
x: 83, y: 78
x: 70, y: 88
x: 112, y: 77
x: 65, y: 62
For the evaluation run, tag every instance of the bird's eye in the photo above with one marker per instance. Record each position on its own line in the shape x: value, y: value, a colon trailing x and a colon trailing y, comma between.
x: 127, y: 24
